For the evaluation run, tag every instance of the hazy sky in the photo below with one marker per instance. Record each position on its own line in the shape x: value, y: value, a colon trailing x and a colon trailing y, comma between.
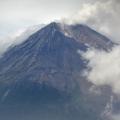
x: 15, y: 14
x: 102, y: 15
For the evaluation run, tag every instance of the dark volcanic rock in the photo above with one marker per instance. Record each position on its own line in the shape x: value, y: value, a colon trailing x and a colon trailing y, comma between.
x: 41, y: 78
x: 84, y: 34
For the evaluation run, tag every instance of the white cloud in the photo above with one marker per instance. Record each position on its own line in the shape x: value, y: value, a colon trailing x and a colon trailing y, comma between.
x: 104, y: 68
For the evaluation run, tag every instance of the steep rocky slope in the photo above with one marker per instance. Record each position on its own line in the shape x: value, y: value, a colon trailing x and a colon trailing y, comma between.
x: 41, y: 78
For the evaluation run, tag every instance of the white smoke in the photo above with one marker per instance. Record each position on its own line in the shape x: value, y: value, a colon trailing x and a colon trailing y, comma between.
x: 102, y: 15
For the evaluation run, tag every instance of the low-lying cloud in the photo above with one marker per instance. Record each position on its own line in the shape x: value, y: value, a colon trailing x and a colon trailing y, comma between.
x: 104, y: 68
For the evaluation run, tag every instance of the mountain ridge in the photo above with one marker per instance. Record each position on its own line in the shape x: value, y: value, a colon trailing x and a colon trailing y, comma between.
x: 45, y: 71
x: 80, y: 28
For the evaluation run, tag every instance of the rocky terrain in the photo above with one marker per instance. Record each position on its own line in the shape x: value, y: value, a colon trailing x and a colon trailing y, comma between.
x: 41, y: 78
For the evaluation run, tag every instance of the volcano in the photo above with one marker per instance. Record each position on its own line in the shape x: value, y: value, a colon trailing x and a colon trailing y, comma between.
x: 41, y: 78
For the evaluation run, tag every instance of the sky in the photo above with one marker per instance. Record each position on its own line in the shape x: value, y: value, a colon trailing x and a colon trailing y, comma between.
x: 18, y: 14
x: 101, y: 15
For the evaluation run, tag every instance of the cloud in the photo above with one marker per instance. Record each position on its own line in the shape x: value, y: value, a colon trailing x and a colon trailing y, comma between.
x: 102, y: 15
x: 104, y: 68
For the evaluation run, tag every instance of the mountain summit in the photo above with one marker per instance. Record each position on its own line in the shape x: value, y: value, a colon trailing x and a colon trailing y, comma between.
x: 41, y: 78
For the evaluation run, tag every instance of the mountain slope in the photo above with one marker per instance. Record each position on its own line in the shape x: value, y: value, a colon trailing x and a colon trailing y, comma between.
x: 84, y: 34
x: 42, y: 76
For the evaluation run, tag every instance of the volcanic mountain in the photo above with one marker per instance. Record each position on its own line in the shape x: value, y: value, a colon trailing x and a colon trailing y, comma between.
x: 41, y: 78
